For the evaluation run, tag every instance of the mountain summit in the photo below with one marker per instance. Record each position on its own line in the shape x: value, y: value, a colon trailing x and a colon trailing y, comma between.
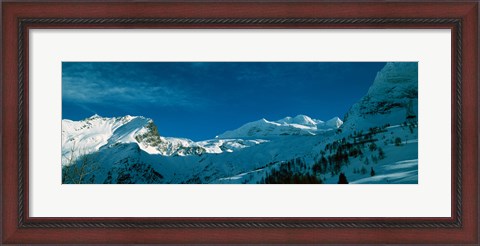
x: 96, y: 132
x: 376, y: 143
x: 288, y: 126
x: 391, y: 99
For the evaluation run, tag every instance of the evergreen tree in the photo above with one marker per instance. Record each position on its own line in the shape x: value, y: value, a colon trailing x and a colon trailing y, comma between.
x: 398, y: 141
x: 342, y: 179
x: 108, y: 180
x: 381, y: 154
x: 372, y: 147
x: 372, y: 172
x: 363, y: 170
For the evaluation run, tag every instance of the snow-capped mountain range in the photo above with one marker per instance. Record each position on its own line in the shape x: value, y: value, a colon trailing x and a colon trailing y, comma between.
x: 298, y: 125
x: 96, y: 132
x: 377, y: 142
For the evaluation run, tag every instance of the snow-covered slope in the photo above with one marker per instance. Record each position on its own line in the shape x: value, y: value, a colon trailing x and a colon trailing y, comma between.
x: 376, y: 143
x: 94, y: 133
x: 89, y: 135
x: 288, y: 126
x: 390, y: 100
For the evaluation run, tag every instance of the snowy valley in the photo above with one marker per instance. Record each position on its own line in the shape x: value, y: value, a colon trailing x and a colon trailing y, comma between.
x: 376, y: 142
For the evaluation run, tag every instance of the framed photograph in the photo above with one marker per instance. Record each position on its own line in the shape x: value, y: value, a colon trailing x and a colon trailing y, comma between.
x: 240, y: 122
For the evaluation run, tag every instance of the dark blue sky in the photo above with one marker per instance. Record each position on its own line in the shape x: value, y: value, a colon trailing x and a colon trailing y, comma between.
x: 199, y: 100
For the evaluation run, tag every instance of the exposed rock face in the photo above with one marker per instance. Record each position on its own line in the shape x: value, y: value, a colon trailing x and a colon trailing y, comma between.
x: 392, y: 98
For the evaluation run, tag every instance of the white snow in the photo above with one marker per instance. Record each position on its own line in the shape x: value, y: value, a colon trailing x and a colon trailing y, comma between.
x: 87, y: 136
x: 247, y: 154
x: 96, y: 132
x: 395, y: 87
x: 298, y: 125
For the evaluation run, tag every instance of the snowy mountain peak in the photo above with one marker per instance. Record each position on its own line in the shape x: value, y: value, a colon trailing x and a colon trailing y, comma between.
x: 334, y: 122
x: 303, y: 119
x: 96, y: 133
x: 263, y: 121
x: 89, y: 135
x: 392, y: 98
x: 129, y: 117
x: 95, y: 116
x: 298, y: 125
x: 374, y: 145
x: 299, y: 119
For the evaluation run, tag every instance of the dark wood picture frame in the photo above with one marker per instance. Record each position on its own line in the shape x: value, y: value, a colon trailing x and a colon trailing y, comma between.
x: 19, y: 17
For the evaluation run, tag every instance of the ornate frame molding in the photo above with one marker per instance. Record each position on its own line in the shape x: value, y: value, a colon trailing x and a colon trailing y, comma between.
x: 23, y: 25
